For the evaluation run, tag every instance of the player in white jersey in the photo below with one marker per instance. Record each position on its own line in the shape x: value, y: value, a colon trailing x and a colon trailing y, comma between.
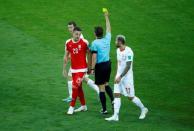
x: 124, y: 83
x: 71, y: 25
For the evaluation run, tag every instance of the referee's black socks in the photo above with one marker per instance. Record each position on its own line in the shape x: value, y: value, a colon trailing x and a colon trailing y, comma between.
x: 109, y: 92
x: 103, y: 100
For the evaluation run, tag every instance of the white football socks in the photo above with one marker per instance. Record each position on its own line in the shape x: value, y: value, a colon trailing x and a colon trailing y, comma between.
x: 138, y: 102
x: 117, y: 105
x: 70, y: 88
x: 93, y: 85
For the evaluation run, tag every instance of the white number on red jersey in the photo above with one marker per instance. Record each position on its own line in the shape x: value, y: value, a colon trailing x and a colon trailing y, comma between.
x: 75, y: 50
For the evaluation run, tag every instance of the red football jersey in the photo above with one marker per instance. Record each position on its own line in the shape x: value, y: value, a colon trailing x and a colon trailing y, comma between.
x: 77, y: 52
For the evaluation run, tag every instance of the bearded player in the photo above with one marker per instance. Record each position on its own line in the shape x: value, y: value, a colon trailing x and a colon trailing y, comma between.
x: 124, y: 83
x: 76, y: 50
x: 71, y: 25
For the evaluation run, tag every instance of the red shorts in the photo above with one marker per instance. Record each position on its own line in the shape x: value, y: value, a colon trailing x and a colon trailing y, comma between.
x: 77, y: 88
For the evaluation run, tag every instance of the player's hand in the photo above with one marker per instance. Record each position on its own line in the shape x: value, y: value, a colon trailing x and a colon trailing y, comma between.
x: 64, y: 73
x: 105, y: 11
x: 106, y: 14
x: 118, y: 79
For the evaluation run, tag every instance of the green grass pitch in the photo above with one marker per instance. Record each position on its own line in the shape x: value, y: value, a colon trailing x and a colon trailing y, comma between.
x: 32, y: 36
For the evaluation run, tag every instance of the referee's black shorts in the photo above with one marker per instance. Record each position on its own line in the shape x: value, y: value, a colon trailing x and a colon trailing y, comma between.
x: 102, y: 72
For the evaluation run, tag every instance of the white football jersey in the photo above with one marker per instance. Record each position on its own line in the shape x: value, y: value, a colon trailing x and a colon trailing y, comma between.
x: 122, y: 58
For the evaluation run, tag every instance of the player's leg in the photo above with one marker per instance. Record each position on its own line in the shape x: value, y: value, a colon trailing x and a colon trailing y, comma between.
x: 102, y: 98
x: 74, y: 93
x: 100, y: 80
x: 109, y: 92
x: 81, y: 96
x: 137, y: 102
x: 117, y: 103
x: 83, y: 106
x: 107, y: 87
x: 91, y: 84
x: 69, y: 85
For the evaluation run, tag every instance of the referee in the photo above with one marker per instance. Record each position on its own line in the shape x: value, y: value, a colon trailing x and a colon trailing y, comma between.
x: 101, y: 64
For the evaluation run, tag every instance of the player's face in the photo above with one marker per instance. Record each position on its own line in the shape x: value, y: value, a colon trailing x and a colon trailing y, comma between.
x: 76, y: 35
x: 70, y: 28
x: 117, y: 43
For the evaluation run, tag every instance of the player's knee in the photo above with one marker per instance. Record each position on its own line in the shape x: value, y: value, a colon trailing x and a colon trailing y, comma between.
x: 86, y: 79
x: 117, y: 95
x: 69, y: 78
x: 101, y: 88
x: 74, y: 86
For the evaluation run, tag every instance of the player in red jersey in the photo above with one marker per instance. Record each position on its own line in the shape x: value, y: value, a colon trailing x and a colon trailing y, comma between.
x: 71, y: 25
x: 77, y: 48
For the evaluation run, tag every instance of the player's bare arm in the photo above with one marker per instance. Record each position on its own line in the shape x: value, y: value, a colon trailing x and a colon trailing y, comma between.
x: 66, y: 57
x: 108, y: 27
x: 128, y: 66
x: 89, y: 58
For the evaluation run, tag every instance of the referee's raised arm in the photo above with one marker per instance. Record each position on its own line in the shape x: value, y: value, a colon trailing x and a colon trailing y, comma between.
x: 108, y: 27
x: 101, y: 63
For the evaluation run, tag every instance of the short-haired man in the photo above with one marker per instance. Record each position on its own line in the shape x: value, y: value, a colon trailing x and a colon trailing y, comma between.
x: 71, y: 25
x: 124, y: 83
x: 101, y: 62
x: 77, y: 49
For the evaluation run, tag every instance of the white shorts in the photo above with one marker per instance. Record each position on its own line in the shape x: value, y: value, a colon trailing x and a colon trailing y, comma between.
x: 125, y: 87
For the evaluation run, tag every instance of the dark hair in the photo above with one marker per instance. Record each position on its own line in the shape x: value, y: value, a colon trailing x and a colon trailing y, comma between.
x: 98, y: 31
x: 121, y: 39
x: 77, y: 29
x: 72, y: 23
